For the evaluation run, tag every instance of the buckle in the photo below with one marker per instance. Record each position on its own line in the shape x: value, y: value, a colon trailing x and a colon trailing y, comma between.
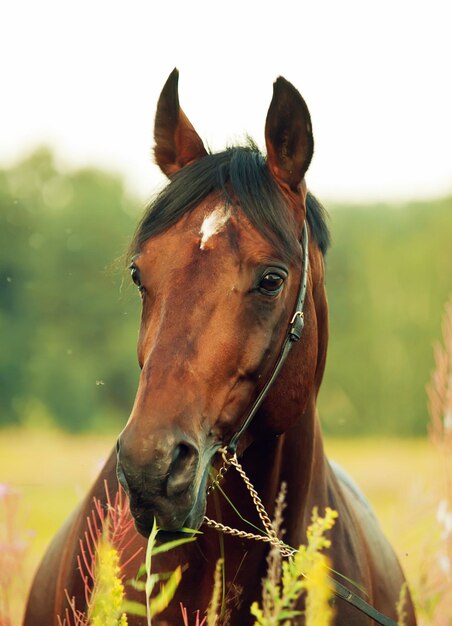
x: 296, y: 325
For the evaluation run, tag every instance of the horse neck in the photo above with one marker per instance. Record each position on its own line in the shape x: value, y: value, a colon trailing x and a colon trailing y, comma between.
x: 304, y: 470
x: 297, y: 459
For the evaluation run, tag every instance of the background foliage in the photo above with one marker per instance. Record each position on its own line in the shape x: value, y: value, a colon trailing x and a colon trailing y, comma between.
x: 67, y: 342
x: 69, y: 317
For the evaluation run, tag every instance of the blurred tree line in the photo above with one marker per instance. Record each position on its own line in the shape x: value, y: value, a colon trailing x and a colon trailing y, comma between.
x: 67, y: 341
x: 69, y: 316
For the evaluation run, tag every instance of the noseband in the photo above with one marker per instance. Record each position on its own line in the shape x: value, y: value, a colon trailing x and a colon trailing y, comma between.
x: 294, y: 331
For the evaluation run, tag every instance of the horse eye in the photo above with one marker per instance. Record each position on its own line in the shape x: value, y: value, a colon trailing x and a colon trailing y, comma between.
x: 271, y: 283
x: 135, y: 275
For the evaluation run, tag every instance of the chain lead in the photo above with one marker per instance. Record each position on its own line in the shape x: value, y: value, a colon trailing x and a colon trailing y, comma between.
x: 271, y: 536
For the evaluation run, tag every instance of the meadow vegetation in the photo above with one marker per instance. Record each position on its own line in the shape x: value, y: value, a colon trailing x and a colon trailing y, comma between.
x: 401, y: 477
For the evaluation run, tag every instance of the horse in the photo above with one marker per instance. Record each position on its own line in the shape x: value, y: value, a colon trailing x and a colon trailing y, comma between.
x: 229, y: 262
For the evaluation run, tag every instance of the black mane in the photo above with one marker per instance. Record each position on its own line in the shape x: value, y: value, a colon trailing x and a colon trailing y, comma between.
x: 240, y: 174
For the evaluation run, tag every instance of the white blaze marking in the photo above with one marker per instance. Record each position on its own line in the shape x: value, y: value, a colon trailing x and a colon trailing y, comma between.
x: 213, y: 224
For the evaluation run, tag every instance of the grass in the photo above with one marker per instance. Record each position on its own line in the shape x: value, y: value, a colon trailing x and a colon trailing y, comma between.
x: 52, y: 471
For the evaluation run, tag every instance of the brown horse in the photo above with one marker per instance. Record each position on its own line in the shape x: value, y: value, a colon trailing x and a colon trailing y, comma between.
x: 218, y: 263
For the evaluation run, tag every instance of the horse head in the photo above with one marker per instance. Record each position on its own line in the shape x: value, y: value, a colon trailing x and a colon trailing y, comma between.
x: 218, y: 263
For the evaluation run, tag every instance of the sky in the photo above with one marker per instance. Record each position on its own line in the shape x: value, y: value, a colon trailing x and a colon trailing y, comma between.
x: 84, y: 77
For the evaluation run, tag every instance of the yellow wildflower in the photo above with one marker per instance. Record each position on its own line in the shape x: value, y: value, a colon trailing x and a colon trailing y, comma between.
x: 108, y: 594
x: 318, y: 610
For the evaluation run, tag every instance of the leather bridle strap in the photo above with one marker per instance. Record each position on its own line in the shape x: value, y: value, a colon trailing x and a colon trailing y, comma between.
x: 345, y: 594
x: 296, y: 326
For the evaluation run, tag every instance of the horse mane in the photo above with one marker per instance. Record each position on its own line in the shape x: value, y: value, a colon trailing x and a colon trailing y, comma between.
x: 240, y: 174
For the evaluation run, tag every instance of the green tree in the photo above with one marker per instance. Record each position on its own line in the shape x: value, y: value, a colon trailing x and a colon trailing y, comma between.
x: 388, y: 276
x: 67, y: 342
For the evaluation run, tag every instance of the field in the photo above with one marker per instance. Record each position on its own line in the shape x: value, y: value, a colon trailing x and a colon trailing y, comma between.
x: 51, y: 472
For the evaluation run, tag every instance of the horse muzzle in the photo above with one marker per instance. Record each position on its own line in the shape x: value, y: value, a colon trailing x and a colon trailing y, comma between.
x: 164, y: 482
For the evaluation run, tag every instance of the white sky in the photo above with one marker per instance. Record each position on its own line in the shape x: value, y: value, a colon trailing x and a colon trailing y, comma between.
x: 84, y: 76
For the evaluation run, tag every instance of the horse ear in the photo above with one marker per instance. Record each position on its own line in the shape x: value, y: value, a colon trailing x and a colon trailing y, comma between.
x: 176, y: 141
x: 288, y: 135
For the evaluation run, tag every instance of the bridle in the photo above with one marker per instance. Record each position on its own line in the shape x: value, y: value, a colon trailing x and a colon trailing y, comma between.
x: 293, y: 335
x: 294, y: 331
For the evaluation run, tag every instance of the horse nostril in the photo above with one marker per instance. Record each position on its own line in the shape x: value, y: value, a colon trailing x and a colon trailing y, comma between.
x: 180, y: 453
x: 120, y: 475
x: 182, y: 471
x: 126, y: 471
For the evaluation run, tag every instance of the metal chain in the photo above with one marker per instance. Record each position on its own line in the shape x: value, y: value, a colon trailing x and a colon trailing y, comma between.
x: 266, y: 521
x: 221, y: 472
x: 271, y: 536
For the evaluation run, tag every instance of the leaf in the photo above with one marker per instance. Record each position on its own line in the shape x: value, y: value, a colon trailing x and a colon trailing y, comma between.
x: 150, y: 546
x: 190, y: 531
x: 161, y: 601
x: 134, y: 608
x: 169, y: 545
x: 150, y: 579
x: 288, y: 614
x: 257, y: 613
x: 141, y: 571
x: 139, y: 585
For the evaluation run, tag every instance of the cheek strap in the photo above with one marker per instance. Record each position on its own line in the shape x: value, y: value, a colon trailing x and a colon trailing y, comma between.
x: 294, y: 331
